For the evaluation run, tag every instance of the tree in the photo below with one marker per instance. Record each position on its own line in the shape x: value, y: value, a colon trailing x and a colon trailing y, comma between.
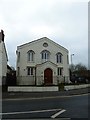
x: 80, y: 67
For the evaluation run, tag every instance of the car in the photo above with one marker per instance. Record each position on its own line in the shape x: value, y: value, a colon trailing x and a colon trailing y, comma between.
x: 79, y: 79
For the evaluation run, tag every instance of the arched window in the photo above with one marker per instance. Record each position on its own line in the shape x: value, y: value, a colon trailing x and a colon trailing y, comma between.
x: 45, y: 55
x: 59, y: 57
x: 30, y: 56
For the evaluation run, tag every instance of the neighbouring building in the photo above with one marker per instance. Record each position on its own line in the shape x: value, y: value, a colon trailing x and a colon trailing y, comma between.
x: 11, y: 76
x: 3, y: 60
x: 9, y: 69
x: 42, y: 62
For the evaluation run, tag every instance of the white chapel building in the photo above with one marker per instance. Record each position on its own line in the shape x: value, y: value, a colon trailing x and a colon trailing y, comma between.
x: 42, y: 62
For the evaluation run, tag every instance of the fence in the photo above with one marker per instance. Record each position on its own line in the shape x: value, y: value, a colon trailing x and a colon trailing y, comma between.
x: 39, y: 80
x: 26, y: 80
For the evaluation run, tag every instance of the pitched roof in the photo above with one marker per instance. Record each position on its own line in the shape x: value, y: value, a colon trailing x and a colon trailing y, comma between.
x: 2, y: 36
x: 43, y: 38
x: 9, y: 67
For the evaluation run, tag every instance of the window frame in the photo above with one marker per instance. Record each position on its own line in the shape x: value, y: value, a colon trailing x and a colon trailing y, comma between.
x: 18, y: 57
x: 60, y: 71
x: 59, y: 57
x: 30, y: 56
x: 30, y: 71
x: 45, y: 55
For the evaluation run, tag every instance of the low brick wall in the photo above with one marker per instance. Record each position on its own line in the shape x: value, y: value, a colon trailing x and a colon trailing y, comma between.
x: 71, y: 87
x: 32, y: 89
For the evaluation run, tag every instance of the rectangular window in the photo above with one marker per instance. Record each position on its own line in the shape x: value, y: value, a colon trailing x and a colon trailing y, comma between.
x: 18, y: 59
x: 30, y: 71
x: 60, y: 71
x: 18, y: 71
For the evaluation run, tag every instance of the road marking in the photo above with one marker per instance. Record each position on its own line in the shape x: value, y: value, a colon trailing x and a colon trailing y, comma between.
x: 38, y: 111
x: 52, y: 97
x: 57, y: 114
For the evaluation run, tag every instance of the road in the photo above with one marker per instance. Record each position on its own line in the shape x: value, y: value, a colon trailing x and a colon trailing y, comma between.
x: 54, y: 107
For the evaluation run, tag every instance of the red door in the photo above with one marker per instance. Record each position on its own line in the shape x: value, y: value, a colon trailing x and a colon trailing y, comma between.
x: 48, y: 75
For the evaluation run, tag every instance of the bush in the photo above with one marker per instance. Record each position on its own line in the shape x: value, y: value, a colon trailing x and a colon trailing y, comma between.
x: 61, y: 86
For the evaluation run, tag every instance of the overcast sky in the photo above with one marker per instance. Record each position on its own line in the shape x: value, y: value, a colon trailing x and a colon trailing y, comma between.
x: 66, y: 23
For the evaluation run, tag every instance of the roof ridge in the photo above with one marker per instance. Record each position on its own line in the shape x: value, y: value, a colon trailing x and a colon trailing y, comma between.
x: 43, y: 39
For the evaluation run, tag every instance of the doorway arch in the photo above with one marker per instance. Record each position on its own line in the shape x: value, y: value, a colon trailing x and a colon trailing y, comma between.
x: 48, y: 76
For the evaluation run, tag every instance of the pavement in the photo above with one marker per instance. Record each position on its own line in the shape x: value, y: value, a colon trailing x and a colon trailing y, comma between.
x: 15, y: 95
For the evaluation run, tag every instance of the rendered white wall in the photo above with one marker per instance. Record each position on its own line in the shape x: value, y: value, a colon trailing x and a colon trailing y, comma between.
x: 37, y: 47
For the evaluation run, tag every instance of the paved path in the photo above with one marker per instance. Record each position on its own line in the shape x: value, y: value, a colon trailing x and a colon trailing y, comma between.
x: 10, y: 95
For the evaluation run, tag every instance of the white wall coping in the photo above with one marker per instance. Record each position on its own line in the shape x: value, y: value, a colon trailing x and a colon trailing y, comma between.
x: 31, y: 89
x: 43, y: 89
x: 71, y: 87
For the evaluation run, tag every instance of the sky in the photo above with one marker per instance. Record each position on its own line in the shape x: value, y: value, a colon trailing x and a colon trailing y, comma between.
x: 63, y: 21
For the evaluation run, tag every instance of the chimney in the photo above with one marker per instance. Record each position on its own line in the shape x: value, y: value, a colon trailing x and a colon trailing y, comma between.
x: 2, y: 36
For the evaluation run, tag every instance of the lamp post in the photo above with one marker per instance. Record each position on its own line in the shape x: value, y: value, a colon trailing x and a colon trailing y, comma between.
x: 72, y: 63
x: 71, y: 58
